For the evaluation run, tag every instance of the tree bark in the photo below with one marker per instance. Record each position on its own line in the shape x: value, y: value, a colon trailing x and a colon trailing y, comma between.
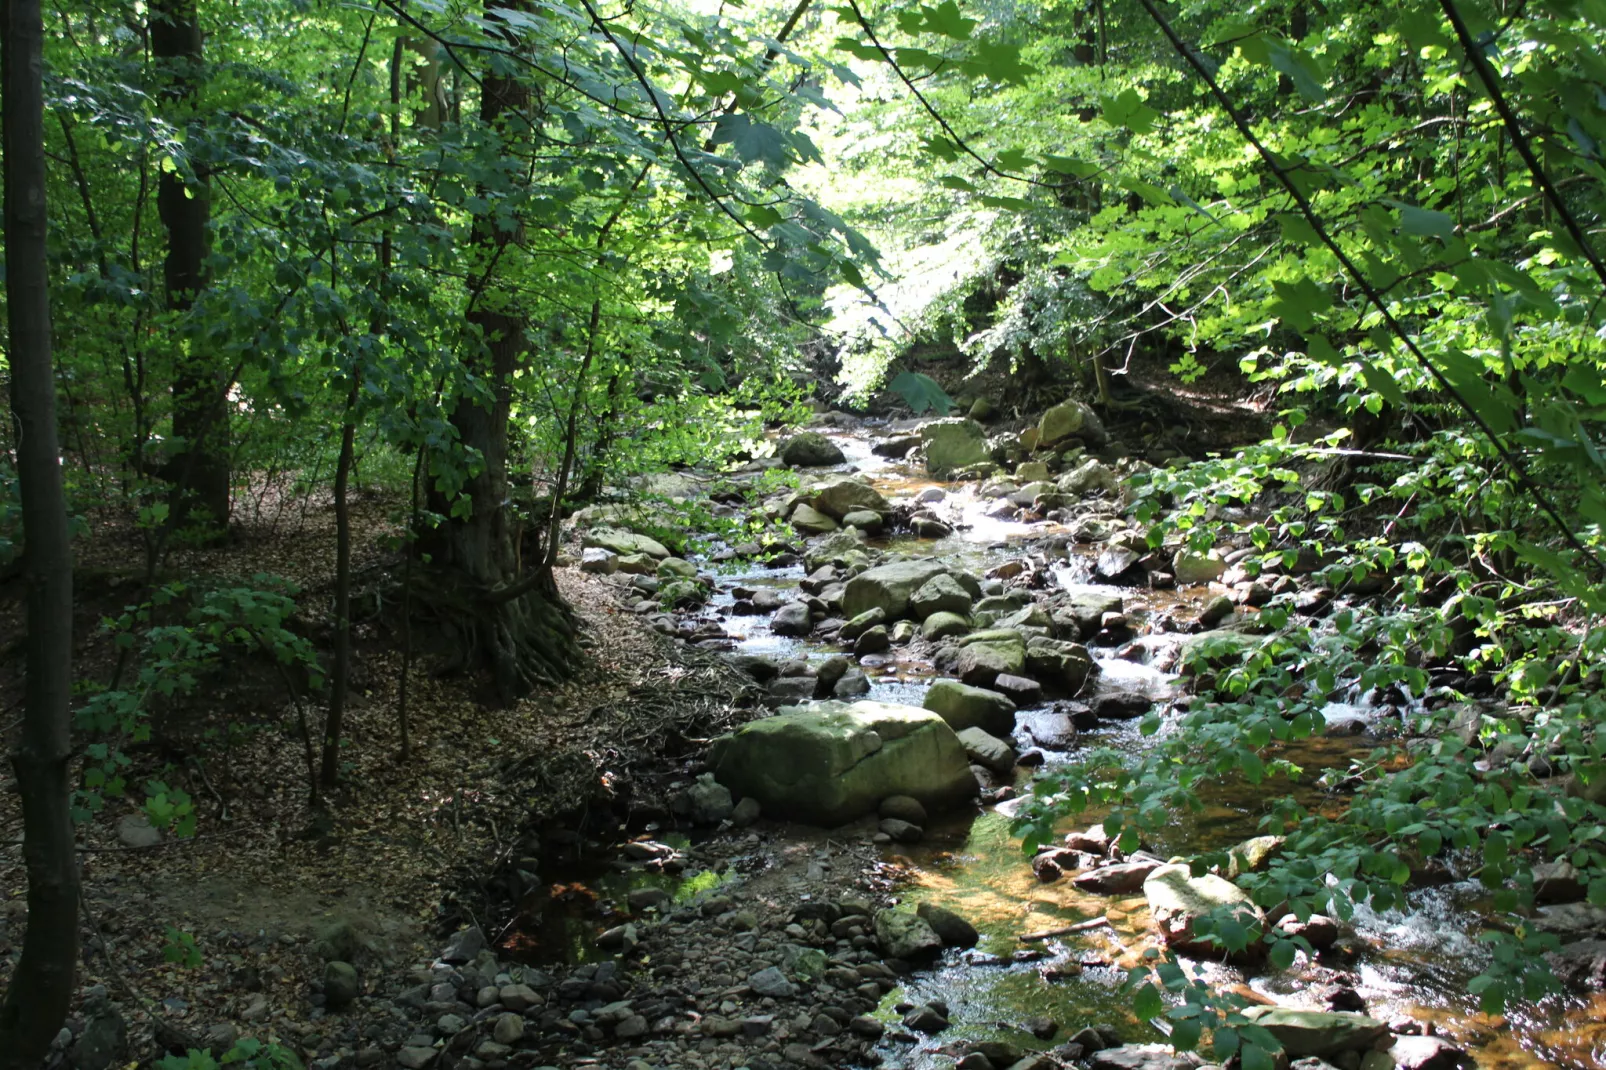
x: 199, y: 472
x: 529, y: 638
x: 41, y: 989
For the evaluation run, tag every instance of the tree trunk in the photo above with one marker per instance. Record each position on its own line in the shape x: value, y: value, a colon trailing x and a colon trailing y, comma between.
x: 42, y: 987
x: 513, y: 624
x: 340, y: 677
x: 199, y: 472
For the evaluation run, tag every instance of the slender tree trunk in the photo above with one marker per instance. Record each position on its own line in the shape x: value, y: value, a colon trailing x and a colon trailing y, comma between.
x: 42, y: 987
x: 199, y: 473
x: 340, y: 678
x: 514, y: 624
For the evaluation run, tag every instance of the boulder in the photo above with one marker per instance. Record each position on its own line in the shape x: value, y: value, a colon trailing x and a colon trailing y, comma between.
x: 1558, y: 882
x: 1082, y: 613
x: 838, y: 548
x: 901, y: 831
x: 709, y: 802
x: 1318, y: 1033
x: 903, y: 808
x: 1052, y: 729
x: 810, y: 521
x: 625, y: 542
x: 1580, y: 964
x: 1176, y: 898
x: 906, y: 936
x: 943, y: 626
x: 963, y: 706
x: 953, y: 444
x: 950, y: 927
x: 889, y: 587
x: 980, y: 663
x: 874, y: 640
x: 940, y: 594
x: 1138, y: 1057
x: 838, y: 497
x: 597, y: 560
x: 636, y: 564
x: 1070, y: 420
x: 792, y: 619
x: 1087, y: 477
x: 1123, y: 878
x: 1428, y: 1053
x: 864, y: 520
x: 1253, y: 855
x: 862, y: 623
x: 1059, y: 665
x: 810, y: 449
x: 1021, y: 690
x: 988, y: 751
x: 1115, y: 561
x: 1191, y: 566
x: 896, y: 446
x: 833, y: 762
x: 340, y: 984
x: 1032, y: 472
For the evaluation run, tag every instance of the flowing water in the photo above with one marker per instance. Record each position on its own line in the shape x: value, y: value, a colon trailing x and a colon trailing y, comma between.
x: 1412, y: 964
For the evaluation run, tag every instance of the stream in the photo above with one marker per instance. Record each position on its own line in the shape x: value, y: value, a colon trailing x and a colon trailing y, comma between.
x: 1409, y: 964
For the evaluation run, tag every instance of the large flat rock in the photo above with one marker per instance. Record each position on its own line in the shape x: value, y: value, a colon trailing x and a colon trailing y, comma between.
x: 832, y: 762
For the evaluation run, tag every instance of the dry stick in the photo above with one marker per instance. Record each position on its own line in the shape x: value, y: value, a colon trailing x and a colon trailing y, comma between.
x: 1080, y: 927
x: 1519, y: 140
x: 1510, y: 459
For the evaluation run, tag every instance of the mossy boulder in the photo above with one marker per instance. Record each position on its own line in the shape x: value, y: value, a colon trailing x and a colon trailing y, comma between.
x: 833, y: 762
x: 889, y: 587
x: 1067, y: 421
x: 838, y: 497
x: 1318, y: 1033
x: 810, y: 521
x: 940, y: 594
x: 625, y: 543
x: 810, y: 449
x: 1177, y: 899
x: 952, y: 445
x: 963, y: 706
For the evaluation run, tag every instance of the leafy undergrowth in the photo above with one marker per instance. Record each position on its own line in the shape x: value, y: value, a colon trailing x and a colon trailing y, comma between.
x: 219, y: 922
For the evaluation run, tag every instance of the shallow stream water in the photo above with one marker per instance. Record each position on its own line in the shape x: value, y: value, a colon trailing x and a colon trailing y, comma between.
x: 1412, y: 964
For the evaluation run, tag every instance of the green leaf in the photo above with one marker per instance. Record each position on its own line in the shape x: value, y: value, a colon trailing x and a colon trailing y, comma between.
x: 1000, y: 62
x: 955, y: 182
x: 1128, y: 109
x: 1301, y: 68
x: 1146, y: 1002
x: 753, y: 141
x: 921, y: 393
x: 1423, y: 222
x: 1381, y: 382
x: 1068, y: 165
x: 947, y: 20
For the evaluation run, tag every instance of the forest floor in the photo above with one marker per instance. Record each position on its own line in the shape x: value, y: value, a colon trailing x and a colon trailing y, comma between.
x: 226, y: 933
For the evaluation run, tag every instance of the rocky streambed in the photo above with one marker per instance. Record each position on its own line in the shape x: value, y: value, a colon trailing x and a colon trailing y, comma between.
x: 948, y: 615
